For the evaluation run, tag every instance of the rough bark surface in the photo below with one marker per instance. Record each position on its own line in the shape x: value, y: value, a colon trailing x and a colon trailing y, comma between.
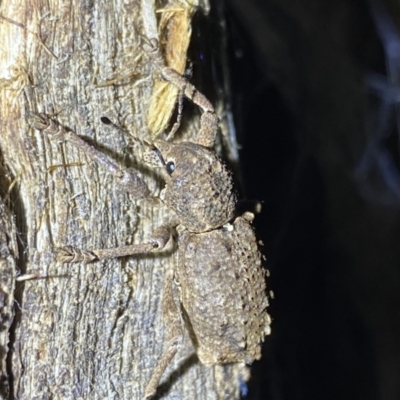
x: 85, y: 331
x: 8, y: 269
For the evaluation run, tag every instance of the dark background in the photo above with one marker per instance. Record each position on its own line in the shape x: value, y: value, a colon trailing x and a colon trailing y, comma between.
x: 315, y: 85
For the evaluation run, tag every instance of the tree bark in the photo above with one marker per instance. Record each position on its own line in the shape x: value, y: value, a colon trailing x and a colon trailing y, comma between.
x: 79, y: 331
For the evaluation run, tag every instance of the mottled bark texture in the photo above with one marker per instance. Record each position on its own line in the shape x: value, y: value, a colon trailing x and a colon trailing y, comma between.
x: 90, y: 331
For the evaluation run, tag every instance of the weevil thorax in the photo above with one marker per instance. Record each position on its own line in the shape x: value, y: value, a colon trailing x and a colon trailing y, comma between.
x: 199, y: 186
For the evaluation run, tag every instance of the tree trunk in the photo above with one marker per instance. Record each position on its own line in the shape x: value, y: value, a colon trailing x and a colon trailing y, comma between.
x: 82, y: 331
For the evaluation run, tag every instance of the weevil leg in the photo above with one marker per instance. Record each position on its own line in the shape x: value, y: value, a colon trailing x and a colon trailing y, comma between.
x: 158, y: 241
x: 173, y: 324
x: 177, y: 123
x: 128, y: 178
x: 209, y: 120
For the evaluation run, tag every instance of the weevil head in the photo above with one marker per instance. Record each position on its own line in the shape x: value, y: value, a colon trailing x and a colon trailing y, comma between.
x: 199, y: 186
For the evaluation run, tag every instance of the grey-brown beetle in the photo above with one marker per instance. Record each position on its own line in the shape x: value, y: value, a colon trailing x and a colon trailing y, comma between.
x: 218, y: 271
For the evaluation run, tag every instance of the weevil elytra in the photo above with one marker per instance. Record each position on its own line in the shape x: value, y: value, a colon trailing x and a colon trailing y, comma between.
x: 218, y: 271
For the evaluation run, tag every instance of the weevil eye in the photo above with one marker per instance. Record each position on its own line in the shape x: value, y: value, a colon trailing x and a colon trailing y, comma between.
x: 170, y: 167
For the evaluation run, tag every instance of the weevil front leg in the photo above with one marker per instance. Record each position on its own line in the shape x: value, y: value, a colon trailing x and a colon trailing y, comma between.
x: 129, y: 179
x: 209, y: 120
x: 173, y: 324
x: 177, y: 123
x: 158, y: 241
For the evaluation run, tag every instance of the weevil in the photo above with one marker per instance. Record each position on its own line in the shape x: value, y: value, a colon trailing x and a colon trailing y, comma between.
x: 219, y: 273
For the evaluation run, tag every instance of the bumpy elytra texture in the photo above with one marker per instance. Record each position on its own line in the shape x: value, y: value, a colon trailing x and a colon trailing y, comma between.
x: 200, y: 188
x: 222, y: 288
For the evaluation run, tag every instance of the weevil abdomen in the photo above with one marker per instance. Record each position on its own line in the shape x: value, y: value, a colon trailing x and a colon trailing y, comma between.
x: 223, y: 293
